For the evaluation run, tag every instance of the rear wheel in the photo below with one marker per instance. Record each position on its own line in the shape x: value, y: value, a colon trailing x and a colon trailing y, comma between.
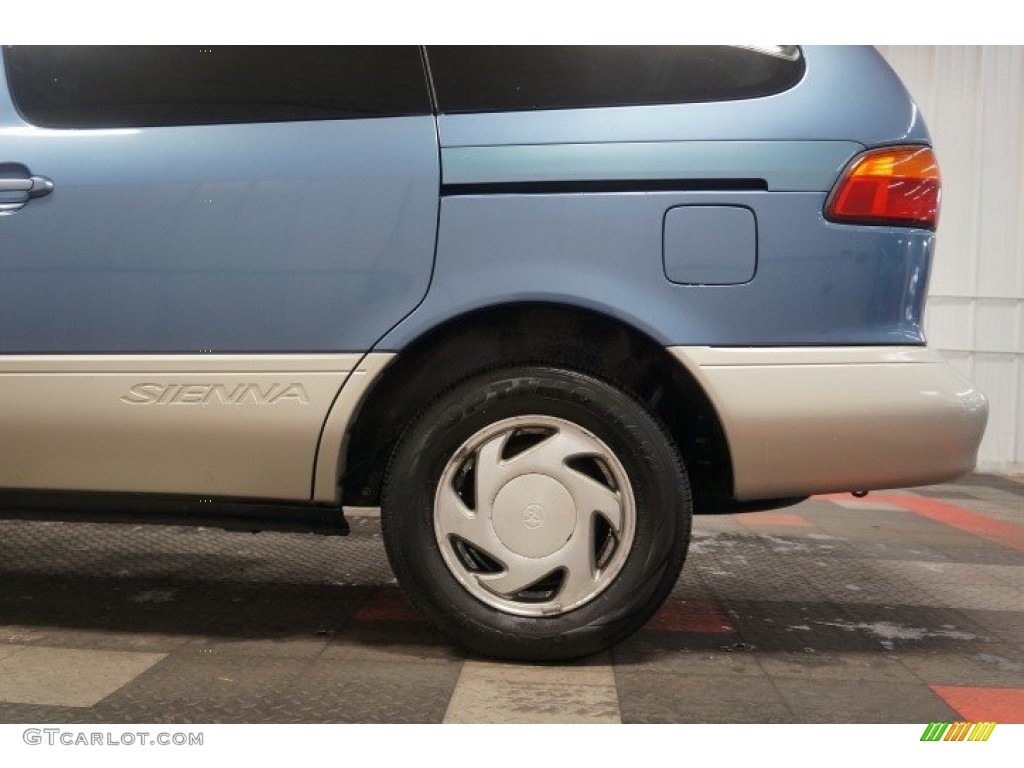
x: 536, y: 513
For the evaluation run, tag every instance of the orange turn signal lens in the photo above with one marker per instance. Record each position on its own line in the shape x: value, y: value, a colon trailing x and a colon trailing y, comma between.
x: 895, y: 185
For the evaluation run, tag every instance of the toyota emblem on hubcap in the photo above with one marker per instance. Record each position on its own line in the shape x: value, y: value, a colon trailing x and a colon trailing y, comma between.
x: 533, y: 516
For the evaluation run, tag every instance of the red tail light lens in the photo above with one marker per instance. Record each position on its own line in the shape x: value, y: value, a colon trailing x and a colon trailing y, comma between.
x: 896, y: 185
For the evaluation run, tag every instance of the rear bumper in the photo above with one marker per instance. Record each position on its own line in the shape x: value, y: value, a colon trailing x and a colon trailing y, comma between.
x: 802, y: 420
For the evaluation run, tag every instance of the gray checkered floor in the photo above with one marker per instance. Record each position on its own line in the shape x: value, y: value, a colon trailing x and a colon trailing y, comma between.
x: 902, y: 607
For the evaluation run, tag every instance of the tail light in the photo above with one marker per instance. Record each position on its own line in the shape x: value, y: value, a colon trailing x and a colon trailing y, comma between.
x: 895, y: 185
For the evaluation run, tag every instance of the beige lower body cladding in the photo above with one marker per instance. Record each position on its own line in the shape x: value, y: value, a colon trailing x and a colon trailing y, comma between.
x: 803, y: 420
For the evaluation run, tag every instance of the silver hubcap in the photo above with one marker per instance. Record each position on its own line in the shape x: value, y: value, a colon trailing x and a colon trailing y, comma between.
x: 534, y: 515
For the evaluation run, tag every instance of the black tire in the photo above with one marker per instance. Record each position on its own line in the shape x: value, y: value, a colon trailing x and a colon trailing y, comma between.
x: 663, y: 512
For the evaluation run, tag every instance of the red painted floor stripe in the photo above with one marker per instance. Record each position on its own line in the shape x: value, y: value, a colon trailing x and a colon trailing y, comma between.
x: 388, y: 604
x: 701, y: 616
x: 772, y: 518
x: 1006, y: 534
x: 1002, y: 705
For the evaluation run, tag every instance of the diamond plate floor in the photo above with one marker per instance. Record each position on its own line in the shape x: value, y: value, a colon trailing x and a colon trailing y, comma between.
x: 901, y: 607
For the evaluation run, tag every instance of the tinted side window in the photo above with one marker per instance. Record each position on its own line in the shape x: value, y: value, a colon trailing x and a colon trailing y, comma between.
x: 134, y: 86
x: 504, y: 78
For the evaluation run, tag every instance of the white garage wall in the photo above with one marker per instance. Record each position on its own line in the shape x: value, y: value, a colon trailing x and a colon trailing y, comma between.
x: 972, y: 98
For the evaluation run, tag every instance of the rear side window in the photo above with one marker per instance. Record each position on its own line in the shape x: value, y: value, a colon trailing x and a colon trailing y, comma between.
x: 507, y: 78
x: 136, y: 86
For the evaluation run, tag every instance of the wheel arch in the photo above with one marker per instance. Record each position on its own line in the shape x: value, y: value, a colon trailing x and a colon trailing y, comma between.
x: 536, y: 332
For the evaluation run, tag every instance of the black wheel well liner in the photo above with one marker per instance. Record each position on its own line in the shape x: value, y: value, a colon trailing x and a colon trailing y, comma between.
x: 525, y: 333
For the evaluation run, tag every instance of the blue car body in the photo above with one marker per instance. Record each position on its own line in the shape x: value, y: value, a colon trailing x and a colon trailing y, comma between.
x: 183, y: 261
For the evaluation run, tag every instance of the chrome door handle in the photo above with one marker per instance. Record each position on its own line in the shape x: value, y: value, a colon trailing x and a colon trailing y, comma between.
x: 15, y: 185
x: 15, y: 193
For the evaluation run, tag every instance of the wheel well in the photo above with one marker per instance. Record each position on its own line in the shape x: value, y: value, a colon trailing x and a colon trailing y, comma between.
x: 536, y: 333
